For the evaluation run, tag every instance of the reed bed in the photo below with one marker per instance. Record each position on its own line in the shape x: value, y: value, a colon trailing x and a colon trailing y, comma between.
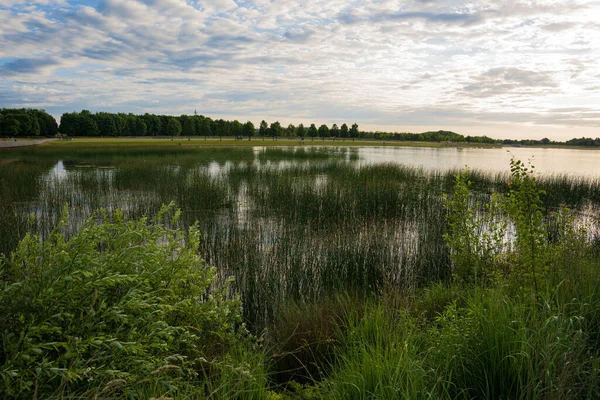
x: 342, y: 268
x: 289, y: 224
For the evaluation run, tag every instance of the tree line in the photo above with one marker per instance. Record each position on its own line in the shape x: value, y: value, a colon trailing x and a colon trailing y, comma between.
x: 85, y: 123
x: 32, y: 122
x: 20, y: 122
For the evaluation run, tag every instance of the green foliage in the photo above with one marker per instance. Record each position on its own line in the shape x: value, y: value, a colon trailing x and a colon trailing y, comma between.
x: 312, y: 131
x: 303, y: 339
x: 275, y: 129
x: 263, y: 128
x: 323, y: 131
x: 525, y: 208
x: 173, y: 127
x: 16, y: 122
x: 248, y: 129
x: 300, y: 131
x: 379, y: 359
x: 475, y: 236
x: 121, y: 306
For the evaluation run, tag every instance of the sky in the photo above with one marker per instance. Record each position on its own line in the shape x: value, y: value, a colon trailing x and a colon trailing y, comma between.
x: 505, y: 69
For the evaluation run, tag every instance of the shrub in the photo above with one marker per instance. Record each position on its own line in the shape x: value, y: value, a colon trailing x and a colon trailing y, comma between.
x: 122, y: 307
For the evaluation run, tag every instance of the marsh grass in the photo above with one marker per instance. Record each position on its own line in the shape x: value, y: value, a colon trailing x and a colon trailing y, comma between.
x: 343, y: 267
x: 291, y: 224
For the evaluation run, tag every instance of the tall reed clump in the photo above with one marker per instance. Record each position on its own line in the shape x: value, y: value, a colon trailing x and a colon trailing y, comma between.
x: 122, y: 307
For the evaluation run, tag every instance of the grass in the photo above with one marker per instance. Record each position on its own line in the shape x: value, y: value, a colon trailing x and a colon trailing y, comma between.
x: 342, y: 268
x: 229, y: 141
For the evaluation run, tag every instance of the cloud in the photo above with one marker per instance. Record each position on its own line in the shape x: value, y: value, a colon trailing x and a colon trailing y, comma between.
x: 509, y: 80
x: 390, y: 62
x: 27, y: 66
x: 558, y: 26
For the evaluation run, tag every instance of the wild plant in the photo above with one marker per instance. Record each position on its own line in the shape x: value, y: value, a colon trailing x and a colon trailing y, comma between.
x: 475, y: 234
x: 121, y: 306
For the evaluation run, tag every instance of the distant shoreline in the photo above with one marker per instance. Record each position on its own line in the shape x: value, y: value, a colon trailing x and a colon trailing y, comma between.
x: 227, y: 141
x: 165, y: 141
x: 8, y: 144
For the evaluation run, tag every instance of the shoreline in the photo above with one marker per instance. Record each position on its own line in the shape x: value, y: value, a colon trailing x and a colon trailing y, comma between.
x: 7, y: 145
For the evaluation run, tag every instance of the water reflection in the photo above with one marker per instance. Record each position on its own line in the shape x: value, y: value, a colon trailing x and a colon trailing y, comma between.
x: 546, y: 161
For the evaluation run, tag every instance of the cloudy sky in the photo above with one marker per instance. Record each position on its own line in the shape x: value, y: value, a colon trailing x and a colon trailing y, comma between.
x: 508, y: 68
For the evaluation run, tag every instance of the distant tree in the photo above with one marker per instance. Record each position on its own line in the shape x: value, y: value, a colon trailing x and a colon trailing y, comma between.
x: 10, y: 126
x: 189, y: 127
x: 249, y: 130
x: 106, y: 124
x: 26, y: 122
x: 222, y: 128
x: 173, y: 127
x: 263, y: 128
x: 131, y: 124
x: 312, y: 131
x: 236, y: 128
x: 121, y: 123
x: 197, y: 124
x: 34, y: 127
x: 205, y: 128
x: 344, y: 131
x: 140, y: 127
x: 323, y: 131
x: 48, y: 125
x: 354, y: 131
x: 300, y: 131
x: 87, y: 124
x: 545, y: 141
x: 335, y: 131
x: 275, y: 130
x: 153, y: 124
x: 291, y: 130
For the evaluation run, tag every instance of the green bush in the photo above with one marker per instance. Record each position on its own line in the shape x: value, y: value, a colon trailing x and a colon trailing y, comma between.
x: 124, y: 308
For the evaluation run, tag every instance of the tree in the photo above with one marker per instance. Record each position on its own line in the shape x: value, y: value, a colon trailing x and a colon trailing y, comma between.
x: 189, y: 127
x: 106, y: 124
x: 354, y: 131
x: 323, y: 131
x: 300, y: 130
x: 291, y: 130
x: 152, y: 124
x: 10, y: 126
x: 249, y: 130
x: 237, y: 129
x: 275, y: 130
x: 344, y: 131
x: 121, y: 122
x: 205, y: 129
x: 173, y: 127
x: 87, y: 124
x: 335, y: 131
x: 312, y: 131
x: 140, y: 127
x: 222, y: 128
x: 263, y: 128
x: 48, y: 125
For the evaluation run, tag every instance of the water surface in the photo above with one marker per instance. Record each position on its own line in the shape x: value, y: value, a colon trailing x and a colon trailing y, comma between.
x: 547, y: 161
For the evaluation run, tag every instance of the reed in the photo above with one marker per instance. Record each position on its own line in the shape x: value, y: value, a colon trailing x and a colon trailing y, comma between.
x: 309, y: 233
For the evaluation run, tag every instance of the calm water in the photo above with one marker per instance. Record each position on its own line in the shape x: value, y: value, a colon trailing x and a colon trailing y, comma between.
x: 550, y: 161
x: 546, y: 161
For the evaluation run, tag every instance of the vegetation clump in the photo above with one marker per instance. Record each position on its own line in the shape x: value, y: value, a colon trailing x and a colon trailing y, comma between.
x: 122, y: 308
x: 357, y: 281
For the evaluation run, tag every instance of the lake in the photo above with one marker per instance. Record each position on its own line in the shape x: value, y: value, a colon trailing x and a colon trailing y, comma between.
x: 547, y: 161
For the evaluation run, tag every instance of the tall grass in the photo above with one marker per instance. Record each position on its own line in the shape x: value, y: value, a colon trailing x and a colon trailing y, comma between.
x: 289, y: 224
x: 344, y: 267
